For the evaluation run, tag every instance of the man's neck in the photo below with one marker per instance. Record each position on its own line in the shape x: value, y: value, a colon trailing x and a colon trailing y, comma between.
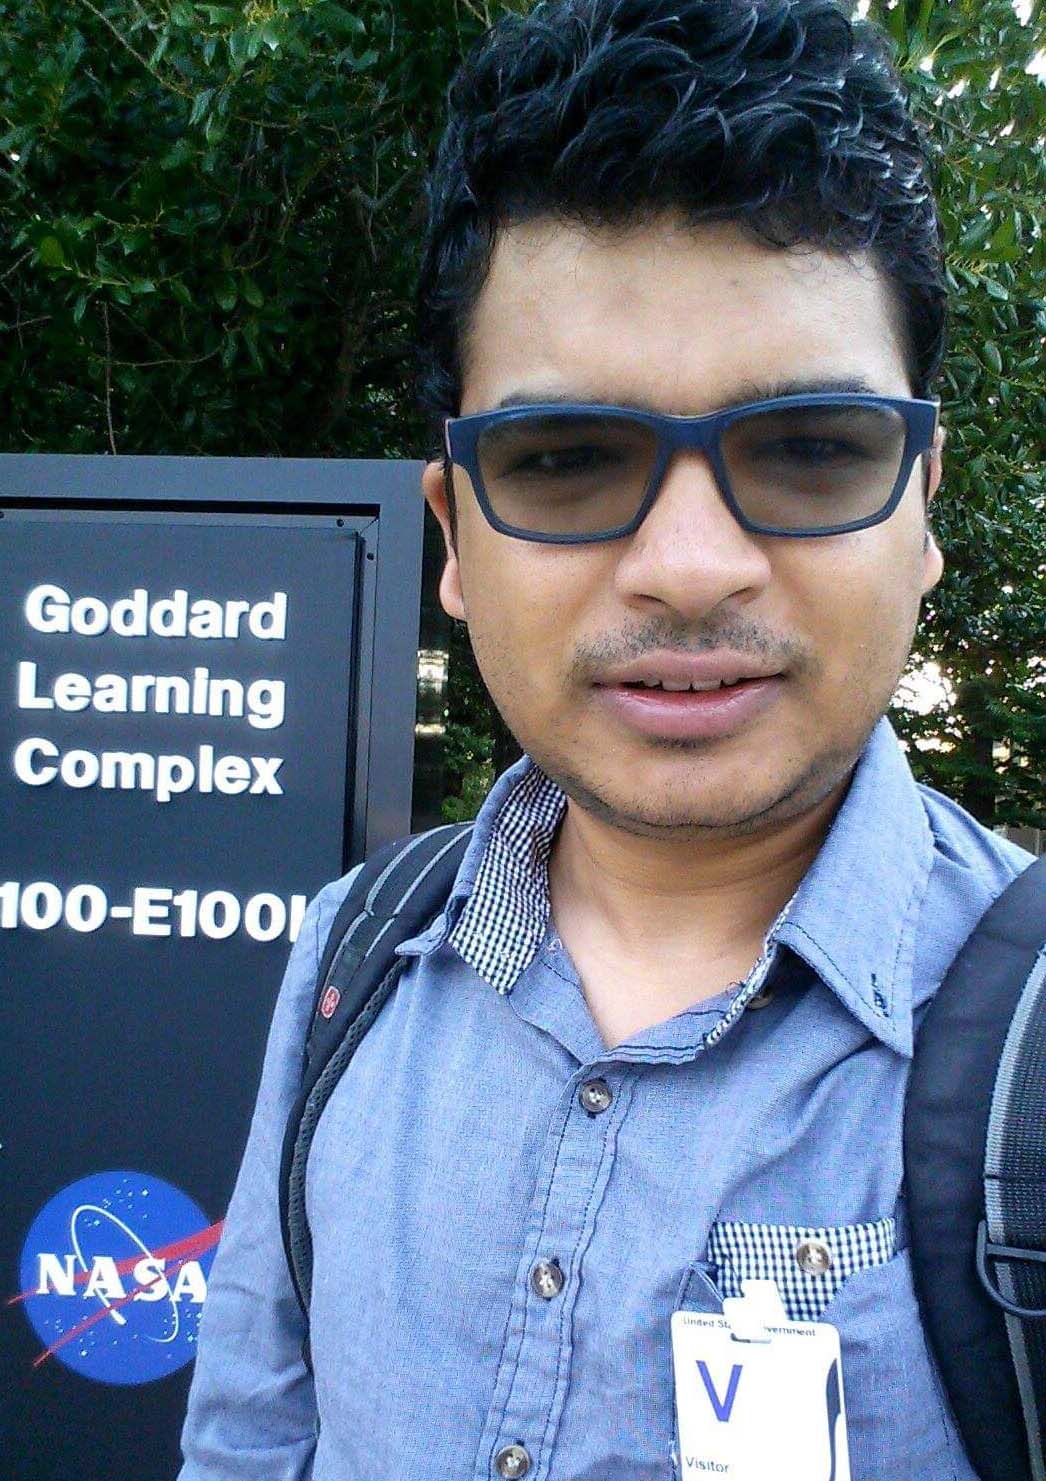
x: 657, y: 925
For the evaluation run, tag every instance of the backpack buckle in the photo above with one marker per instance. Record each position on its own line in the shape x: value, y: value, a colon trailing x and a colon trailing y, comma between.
x: 986, y: 1251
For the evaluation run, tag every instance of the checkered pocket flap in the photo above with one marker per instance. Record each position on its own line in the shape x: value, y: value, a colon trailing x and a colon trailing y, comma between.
x: 808, y: 1264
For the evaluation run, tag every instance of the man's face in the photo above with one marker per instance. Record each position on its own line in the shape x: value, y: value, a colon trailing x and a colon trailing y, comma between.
x: 684, y: 320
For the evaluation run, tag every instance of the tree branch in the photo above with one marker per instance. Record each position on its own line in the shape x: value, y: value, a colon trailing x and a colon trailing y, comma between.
x: 108, y: 380
x: 173, y: 87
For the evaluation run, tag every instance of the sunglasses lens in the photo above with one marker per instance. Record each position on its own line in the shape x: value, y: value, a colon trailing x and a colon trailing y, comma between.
x: 807, y: 467
x: 566, y: 474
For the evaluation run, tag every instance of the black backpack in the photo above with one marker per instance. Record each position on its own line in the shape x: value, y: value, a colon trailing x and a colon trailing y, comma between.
x: 974, y: 1134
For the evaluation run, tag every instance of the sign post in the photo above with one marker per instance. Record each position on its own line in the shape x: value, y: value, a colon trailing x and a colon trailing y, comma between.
x: 207, y: 713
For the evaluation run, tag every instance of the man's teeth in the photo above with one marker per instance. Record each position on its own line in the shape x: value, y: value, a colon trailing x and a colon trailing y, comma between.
x: 696, y: 686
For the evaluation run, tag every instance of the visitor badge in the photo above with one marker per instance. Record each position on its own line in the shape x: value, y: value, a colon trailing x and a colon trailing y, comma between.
x: 758, y: 1397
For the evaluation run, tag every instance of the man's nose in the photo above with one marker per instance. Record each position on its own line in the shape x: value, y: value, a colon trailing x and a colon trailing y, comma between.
x: 690, y: 554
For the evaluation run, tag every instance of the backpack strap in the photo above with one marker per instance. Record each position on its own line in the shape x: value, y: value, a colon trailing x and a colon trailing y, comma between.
x: 1011, y: 1241
x: 394, y: 897
x: 961, y: 1059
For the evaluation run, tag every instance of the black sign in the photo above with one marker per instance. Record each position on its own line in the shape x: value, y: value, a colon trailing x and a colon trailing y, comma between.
x: 182, y: 697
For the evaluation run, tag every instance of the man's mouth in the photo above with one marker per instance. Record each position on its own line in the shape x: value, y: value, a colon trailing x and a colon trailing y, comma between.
x: 682, y: 697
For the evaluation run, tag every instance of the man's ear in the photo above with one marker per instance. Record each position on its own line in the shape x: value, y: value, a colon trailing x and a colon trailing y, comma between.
x: 933, y: 560
x: 434, y: 485
x: 934, y: 465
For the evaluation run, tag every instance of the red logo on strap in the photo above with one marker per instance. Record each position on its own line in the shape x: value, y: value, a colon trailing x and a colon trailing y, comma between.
x: 331, y: 999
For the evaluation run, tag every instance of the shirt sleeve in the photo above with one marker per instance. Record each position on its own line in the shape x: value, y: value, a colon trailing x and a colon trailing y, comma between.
x: 252, y: 1406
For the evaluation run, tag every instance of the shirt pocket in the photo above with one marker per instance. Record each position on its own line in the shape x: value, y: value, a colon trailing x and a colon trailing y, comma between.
x: 810, y: 1265
x: 898, y: 1418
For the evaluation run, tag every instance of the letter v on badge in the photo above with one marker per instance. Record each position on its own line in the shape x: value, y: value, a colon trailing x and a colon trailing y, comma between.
x: 758, y: 1396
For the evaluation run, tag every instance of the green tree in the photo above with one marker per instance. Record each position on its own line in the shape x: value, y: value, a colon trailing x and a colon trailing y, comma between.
x: 967, y: 66
x: 210, y: 213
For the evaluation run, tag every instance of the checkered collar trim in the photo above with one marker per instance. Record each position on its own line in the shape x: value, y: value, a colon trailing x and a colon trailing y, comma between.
x: 505, y: 916
x: 503, y: 922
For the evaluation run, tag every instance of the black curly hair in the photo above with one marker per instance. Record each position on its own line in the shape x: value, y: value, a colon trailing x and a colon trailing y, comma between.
x: 781, y: 115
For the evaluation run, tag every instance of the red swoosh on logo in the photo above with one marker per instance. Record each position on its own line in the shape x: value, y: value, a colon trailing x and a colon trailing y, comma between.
x: 181, y: 1251
x: 100, y: 1315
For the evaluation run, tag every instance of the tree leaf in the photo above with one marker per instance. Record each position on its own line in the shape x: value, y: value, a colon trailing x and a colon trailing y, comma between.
x: 200, y: 104
x: 51, y: 252
x: 225, y: 294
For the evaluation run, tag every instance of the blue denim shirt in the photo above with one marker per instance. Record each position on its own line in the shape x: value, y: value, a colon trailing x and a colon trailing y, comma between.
x: 458, y: 1153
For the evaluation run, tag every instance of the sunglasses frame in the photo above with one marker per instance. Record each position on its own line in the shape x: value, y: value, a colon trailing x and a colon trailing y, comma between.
x: 694, y: 434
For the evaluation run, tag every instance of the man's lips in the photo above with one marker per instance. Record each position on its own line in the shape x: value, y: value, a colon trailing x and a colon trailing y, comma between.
x: 708, y: 713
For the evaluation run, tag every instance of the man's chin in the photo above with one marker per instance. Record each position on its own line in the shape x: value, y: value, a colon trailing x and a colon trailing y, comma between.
x: 703, y: 800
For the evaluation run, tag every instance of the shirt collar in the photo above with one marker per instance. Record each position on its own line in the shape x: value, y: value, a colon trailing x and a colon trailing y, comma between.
x: 855, y: 915
x: 852, y: 920
x: 504, y: 916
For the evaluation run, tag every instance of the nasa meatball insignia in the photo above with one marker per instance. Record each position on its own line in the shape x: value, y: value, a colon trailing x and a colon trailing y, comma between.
x: 114, y: 1276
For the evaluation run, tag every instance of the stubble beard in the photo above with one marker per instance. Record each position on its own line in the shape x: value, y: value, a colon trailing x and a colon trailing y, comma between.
x: 797, y: 788
x: 682, y: 817
x: 687, y: 807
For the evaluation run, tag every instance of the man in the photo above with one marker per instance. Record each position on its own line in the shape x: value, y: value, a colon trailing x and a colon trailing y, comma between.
x: 682, y: 306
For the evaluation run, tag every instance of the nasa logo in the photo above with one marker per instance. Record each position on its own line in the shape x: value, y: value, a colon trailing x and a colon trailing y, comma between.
x: 114, y: 1276
x: 331, y: 999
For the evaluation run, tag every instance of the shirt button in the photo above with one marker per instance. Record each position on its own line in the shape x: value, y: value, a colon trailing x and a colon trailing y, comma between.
x: 761, y: 999
x: 595, y: 1096
x: 512, y: 1461
x: 813, y: 1257
x: 547, y: 1279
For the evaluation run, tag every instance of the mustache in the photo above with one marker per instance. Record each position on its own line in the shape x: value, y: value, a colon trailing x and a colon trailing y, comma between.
x: 731, y: 632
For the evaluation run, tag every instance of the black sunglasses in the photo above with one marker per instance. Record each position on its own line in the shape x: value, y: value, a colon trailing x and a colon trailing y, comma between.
x: 567, y: 474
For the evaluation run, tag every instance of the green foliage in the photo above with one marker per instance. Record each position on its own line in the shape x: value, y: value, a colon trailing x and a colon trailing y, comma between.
x: 209, y: 216
x: 209, y: 211
x: 966, y: 64
x: 478, y: 745
x: 469, y: 771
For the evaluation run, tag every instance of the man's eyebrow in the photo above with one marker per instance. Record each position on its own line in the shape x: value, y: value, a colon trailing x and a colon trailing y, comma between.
x: 740, y: 396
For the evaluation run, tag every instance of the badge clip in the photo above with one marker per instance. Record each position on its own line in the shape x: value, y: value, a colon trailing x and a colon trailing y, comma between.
x: 758, y: 1308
